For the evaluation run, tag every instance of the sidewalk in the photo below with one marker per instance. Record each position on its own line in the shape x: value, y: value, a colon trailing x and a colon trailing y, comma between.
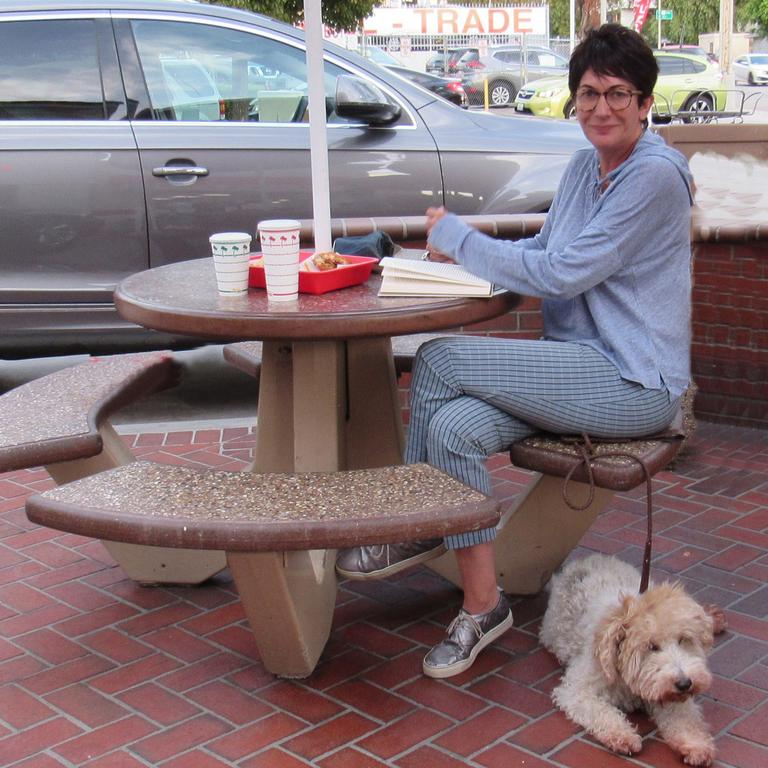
x: 96, y: 671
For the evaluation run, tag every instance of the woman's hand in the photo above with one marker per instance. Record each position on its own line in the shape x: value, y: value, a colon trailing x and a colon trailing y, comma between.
x: 433, y: 216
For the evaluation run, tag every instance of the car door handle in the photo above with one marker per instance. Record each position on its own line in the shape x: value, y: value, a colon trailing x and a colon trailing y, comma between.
x: 180, y: 170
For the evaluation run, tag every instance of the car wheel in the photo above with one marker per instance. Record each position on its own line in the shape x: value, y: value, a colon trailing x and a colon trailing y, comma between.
x: 750, y: 79
x: 701, y: 103
x: 501, y: 93
x: 569, y: 110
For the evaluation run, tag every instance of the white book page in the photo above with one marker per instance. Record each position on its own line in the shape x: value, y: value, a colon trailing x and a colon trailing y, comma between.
x: 436, y: 270
x: 396, y: 286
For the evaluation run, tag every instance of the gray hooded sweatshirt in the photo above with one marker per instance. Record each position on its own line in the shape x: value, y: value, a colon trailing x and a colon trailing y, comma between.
x: 613, y: 269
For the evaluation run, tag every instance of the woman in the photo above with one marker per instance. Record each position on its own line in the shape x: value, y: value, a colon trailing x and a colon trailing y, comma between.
x: 612, y: 267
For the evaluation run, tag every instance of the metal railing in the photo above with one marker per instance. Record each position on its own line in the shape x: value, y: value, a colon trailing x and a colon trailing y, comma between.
x: 702, y: 107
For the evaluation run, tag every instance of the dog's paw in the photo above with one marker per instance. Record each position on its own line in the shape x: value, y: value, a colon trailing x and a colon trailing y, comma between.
x: 623, y: 743
x: 699, y: 754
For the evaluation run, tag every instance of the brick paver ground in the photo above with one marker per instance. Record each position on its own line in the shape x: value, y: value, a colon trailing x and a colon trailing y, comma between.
x: 96, y: 671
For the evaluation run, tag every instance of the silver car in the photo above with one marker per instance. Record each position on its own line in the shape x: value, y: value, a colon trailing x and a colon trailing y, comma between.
x: 751, y: 68
x: 504, y: 69
x: 133, y: 129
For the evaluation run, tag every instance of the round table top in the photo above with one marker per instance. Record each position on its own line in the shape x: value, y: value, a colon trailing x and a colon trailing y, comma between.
x: 183, y: 298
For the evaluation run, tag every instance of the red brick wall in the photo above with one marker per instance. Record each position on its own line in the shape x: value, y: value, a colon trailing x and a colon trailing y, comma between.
x: 730, y: 332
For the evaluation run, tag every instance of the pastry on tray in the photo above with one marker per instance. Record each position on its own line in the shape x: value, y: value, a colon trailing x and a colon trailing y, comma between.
x: 320, y: 262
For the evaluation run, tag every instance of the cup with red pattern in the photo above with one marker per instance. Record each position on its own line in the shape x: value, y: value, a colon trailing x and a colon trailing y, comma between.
x: 280, y: 249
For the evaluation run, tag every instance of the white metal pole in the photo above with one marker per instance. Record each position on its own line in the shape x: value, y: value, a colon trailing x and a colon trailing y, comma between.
x: 572, y: 23
x: 658, y: 24
x: 318, y: 139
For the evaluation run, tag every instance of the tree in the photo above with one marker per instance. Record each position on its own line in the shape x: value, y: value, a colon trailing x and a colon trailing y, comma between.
x: 337, y: 14
x: 559, y: 18
x: 587, y: 16
x: 690, y: 19
x: 754, y: 12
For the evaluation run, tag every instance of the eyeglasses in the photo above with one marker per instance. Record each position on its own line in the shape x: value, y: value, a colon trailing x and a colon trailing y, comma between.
x: 616, y: 98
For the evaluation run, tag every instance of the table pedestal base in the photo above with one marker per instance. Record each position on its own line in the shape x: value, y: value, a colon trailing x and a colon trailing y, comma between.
x: 323, y: 407
x: 289, y: 599
x: 144, y: 564
x: 326, y: 406
x: 535, y: 535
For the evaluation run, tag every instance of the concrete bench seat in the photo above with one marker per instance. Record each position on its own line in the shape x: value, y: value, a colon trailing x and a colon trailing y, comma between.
x: 540, y: 529
x: 61, y: 421
x: 267, y: 524
x: 613, y: 466
x: 63, y: 416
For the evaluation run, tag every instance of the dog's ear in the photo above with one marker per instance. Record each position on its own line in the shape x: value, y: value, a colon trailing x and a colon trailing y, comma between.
x: 608, y: 639
x: 703, y: 625
x: 716, y: 613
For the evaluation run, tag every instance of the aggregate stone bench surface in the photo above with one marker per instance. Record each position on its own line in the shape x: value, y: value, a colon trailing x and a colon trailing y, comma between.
x: 172, y: 506
x: 56, y: 417
x: 555, y: 455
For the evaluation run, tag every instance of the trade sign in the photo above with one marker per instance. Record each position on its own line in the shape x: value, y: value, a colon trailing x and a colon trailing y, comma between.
x: 514, y: 20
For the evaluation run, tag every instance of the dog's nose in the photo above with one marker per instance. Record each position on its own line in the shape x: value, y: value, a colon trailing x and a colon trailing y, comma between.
x: 683, y: 684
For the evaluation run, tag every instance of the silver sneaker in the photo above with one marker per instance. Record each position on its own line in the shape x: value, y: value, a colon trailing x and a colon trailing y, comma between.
x: 467, y: 635
x: 379, y: 560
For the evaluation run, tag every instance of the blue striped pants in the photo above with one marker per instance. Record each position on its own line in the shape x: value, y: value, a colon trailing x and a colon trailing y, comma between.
x: 475, y: 396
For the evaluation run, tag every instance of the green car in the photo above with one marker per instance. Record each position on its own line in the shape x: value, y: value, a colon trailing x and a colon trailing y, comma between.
x: 687, y: 83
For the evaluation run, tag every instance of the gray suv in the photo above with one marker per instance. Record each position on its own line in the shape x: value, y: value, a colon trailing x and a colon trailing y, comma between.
x: 131, y: 130
x: 505, y: 68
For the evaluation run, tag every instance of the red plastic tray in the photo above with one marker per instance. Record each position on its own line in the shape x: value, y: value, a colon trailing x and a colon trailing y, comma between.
x: 354, y: 273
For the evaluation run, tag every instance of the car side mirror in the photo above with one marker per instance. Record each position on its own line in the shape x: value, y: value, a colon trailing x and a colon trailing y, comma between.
x: 362, y: 100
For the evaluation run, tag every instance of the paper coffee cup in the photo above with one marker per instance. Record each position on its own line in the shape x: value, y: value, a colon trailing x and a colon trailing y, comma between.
x: 279, y: 240
x: 230, y: 259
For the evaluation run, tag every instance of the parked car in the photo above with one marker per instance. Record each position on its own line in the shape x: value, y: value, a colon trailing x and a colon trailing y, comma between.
x: 444, y: 62
x: 449, y: 88
x: 685, y: 84
x: 103, y: 174
x: 694, y: 50
x: 751, y: 68
x: 505, y: 68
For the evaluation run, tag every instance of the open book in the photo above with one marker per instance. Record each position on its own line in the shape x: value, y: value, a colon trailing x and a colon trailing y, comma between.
x: 406, y: 277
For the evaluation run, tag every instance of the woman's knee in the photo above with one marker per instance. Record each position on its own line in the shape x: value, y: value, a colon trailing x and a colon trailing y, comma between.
x: 467, y: 425
x: 451, y: 426
x: 432, y: 352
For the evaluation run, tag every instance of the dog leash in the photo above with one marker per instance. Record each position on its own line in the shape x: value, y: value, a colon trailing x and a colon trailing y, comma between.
x: 588, y: 454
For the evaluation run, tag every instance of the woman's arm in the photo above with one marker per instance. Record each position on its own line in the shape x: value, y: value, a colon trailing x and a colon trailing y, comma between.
x: 631, y: 211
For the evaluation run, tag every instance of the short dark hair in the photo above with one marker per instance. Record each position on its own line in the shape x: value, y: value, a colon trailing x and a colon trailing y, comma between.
x: 615, y: 51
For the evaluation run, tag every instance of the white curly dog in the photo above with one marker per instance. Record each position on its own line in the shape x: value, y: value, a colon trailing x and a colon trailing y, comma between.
x: 623, y: 651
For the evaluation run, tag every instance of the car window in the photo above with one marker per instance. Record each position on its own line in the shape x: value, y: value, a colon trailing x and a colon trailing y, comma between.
x: 50, y: 71
x: 508, y: 57
x: 551, y: 60
x: 469, y: 56
x: 671, y: 65
x: 695, y: 67
x: 201, y: 73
